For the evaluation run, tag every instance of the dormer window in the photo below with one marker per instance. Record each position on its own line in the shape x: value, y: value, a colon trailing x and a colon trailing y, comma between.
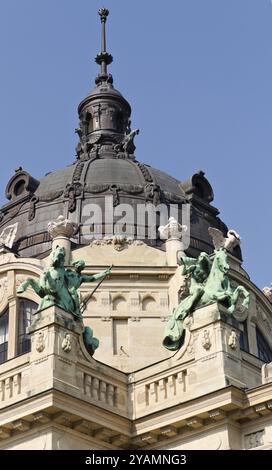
x: 22, y: 184
x: 19, y: 188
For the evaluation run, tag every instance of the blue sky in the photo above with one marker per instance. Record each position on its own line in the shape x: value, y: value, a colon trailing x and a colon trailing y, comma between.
x: 198, y: 74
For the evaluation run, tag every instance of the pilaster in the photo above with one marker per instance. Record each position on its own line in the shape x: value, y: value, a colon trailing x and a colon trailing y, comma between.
x: 217, y: 352
x: 54, y: 353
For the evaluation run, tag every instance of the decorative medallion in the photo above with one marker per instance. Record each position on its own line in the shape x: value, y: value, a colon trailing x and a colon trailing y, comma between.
x: 233, y: 340
x: 206, y: 340
x: 66, y: 343
x: 40, y: 342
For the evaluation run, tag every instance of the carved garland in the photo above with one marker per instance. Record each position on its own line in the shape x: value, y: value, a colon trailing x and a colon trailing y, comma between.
x: 47, y: 197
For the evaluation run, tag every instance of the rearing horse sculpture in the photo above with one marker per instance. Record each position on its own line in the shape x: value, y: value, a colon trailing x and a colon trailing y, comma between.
x: 218, y: 288
x: 209, y: 284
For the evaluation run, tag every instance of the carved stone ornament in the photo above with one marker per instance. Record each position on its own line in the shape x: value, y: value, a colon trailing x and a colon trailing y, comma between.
x: 72, y: 191
x: 114, y: 190
x: 62, y: 228
x: 32, y: 207
x: 40, y: 342
x: 233, y: 340
x: 66, y: 343
x: 172, y: 230
x: 152, y: 193
x: 46, y: 197
x: 145, y: 172
x: 254, y: 439
x: 8, y: 235
x: 268, y: 293
x: 3, y: 287
x: 119, y: 242
x: 206, y: 340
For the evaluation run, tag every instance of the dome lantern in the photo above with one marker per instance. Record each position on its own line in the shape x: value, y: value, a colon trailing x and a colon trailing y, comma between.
x: 104, y: 115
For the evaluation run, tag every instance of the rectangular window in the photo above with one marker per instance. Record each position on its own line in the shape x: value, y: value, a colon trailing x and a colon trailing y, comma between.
x: 244, y: 345
x: 26, y: 310
x: 4, y: 336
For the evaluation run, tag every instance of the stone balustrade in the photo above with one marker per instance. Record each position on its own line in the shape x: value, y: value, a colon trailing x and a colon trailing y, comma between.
x: 10, y: 387
x: 99, y: 390
x: 165, y: 389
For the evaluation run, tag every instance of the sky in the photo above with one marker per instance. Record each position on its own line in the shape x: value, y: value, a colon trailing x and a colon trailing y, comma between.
x: 197, y: 73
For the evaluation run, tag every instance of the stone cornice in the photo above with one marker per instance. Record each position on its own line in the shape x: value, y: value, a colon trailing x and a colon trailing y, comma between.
x: 228, y: 405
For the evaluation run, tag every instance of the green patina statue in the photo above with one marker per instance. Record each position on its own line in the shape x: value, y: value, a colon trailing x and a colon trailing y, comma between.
x: 209, y: 283
x: 59, y: 286
x: 90, y: 342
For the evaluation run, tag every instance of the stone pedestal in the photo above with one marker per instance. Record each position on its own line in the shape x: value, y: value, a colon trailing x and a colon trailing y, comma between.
x: 217, y: 352
x: 173, y: 247
x: 54, y: 352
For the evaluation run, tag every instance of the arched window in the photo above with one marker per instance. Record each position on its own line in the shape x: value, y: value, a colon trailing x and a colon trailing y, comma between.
x: 26, y: 310
x: 4, y: 320
x: 264, y: 350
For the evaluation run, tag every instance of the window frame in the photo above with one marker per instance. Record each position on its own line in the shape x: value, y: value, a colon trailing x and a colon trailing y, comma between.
x: 4, y: 346
x: 23, y: 342
x: 261, y: 341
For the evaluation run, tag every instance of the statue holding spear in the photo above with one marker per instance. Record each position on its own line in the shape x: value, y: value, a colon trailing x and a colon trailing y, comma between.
x: 75, y: 278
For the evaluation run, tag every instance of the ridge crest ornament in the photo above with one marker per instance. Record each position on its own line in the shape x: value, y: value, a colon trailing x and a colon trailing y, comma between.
x: 210, y: 283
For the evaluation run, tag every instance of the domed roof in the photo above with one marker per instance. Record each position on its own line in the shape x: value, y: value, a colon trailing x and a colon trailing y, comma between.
x: 106, y: 169
x: 104, y: 90
x: 70, y: 192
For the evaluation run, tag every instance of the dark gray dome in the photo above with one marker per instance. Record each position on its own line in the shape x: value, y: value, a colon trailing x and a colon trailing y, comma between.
x: 70, y: 191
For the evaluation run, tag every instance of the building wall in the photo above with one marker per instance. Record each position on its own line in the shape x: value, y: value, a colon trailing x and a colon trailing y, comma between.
x: 210, y: 394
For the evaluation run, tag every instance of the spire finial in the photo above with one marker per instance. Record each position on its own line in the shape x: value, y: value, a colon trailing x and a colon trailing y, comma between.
x: 103, y: 58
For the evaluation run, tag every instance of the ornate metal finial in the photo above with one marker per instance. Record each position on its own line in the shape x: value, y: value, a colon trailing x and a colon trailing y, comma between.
x: 103, y: 13
x: 103, y: 58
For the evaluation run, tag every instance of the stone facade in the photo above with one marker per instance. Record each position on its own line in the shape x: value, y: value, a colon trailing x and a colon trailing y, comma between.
x: 133, y: 394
